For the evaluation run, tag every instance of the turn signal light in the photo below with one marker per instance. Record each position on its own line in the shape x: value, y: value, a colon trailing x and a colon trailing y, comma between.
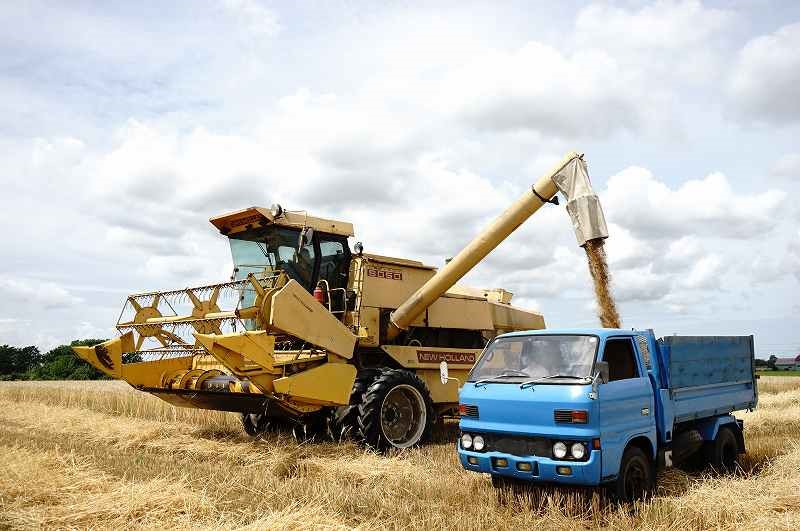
x: 580, y: 416
x: 468, y: 410
x: 571, y: 416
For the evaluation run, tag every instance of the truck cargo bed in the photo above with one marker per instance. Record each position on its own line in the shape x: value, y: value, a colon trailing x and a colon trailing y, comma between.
x: 709, y: 375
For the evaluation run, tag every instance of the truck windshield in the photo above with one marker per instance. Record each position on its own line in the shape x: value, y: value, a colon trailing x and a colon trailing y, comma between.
x: 521, y: 358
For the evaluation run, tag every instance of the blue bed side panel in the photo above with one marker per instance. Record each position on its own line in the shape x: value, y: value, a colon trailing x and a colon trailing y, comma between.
x: 704, y: 360
x: 709, y: 375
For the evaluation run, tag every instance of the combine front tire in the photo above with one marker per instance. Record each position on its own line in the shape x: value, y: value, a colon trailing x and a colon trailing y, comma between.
x: 344, y: 420
x: 396, y: 411
x: 255, y: 424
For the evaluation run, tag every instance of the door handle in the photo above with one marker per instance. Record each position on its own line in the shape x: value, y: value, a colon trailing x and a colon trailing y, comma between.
x: 645, y: 411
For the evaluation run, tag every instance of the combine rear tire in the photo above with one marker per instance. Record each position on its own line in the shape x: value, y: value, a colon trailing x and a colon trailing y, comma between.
x: 396, y: 411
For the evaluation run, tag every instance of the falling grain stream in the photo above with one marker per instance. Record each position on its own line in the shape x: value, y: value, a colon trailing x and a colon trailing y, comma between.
x: 598, y: 267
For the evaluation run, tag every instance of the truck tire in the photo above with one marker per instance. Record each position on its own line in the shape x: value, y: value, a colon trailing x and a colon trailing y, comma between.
x: 636, y: 478
x: 722, y: 451
x: 344, y: 421
x: 396, y: 411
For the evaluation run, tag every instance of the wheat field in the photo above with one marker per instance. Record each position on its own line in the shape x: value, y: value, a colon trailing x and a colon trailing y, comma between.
x: 98, y: 454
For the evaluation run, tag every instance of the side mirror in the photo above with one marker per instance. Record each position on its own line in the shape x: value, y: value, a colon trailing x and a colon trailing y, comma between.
x: 444, y: 374
x: 602, y: 369
x: 306, y: 235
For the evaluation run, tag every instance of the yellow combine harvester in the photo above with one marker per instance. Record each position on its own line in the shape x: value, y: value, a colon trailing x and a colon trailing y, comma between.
x: 311, y: 336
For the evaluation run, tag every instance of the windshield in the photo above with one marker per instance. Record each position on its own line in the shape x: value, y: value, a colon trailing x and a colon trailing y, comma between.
x: 270, y: 249
x: 522, y: 358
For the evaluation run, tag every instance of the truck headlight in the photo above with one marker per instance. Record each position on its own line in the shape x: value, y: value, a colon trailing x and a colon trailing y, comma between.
x: 559, y: 450
x: 577, y: 450
x: 466, y: 441
x: 477, y: 443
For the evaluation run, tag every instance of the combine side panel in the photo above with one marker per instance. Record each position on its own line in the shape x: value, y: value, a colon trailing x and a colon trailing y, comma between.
x: 327, y: 385
x: 297, y: 313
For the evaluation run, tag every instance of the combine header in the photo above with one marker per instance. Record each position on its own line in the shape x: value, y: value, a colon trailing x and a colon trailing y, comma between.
x: 312, y: 337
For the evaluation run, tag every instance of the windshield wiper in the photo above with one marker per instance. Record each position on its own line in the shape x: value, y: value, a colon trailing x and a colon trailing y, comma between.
x: 530, y: 383
x: 505, y: 374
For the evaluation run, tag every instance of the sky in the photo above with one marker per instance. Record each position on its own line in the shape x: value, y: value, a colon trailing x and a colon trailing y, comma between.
x: 125, y: 126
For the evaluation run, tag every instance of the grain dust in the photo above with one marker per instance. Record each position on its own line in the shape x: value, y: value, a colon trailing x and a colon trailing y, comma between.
x: 598, y: 267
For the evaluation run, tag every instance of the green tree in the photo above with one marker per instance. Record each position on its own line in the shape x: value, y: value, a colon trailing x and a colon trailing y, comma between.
x: 771, y: 362
x: 15, y: 361
x: 61, y: 363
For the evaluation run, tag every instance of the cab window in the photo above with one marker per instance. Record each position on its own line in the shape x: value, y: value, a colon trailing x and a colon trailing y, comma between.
x: 334, y: 263
x: 621, y: 359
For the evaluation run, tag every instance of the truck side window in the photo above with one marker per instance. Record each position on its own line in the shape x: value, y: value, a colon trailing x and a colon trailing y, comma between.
x: 621, y: 359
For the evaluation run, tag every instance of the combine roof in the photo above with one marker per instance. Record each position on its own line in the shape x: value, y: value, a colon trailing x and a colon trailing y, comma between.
x: 258, y: 217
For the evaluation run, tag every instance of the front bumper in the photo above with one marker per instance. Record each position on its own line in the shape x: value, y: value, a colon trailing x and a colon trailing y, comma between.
x: 543, y: 468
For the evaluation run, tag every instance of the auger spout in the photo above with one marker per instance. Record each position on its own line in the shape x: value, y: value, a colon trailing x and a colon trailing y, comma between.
x: 569, y: 176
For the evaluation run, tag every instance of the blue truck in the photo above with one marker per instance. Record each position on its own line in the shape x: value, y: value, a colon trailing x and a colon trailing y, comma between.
x: 604, y: 406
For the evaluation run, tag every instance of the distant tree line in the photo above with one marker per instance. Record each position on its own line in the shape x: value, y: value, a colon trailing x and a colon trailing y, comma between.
x: 768, y: 363
x: 60, y: 363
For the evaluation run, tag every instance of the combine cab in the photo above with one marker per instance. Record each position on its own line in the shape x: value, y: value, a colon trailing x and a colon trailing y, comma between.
x: 309, y: 336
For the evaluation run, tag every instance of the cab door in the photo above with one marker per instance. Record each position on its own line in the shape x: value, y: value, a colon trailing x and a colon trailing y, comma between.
x: 625, y: 402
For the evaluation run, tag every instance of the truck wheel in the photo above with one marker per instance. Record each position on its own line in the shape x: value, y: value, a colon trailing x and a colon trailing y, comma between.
x: 722, y: 451
x: 344, y: 421
x: 636, y: 478
x: 396, y: 412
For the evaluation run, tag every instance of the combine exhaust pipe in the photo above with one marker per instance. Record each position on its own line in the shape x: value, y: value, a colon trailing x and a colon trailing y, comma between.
x: 568, y: 176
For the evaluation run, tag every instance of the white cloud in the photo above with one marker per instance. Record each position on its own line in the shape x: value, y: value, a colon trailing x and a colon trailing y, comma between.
x: 662, y: 26
x: 538, y: 88
x: 640, y: 284
x: 638, y: 201
x: 253, y: 16
x: 29, y: 292
x: 787, y: 167
x: 763, y: 87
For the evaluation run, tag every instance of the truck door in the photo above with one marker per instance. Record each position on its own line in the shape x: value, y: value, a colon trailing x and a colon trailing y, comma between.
x: 625, y: 402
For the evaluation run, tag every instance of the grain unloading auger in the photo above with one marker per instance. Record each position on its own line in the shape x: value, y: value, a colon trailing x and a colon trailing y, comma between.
x: 309, y: 336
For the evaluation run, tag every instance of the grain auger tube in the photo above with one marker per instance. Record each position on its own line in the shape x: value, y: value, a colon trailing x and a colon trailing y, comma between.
x: 568, y: 176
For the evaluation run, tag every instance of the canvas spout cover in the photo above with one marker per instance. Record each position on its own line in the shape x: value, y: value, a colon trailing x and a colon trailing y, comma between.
x: 583, y: 205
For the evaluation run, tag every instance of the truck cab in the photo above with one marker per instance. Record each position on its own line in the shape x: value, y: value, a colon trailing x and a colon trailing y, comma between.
x: 597, y: 406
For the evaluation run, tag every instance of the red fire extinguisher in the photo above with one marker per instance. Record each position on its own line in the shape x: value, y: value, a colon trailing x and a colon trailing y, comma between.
x: 319, y: 295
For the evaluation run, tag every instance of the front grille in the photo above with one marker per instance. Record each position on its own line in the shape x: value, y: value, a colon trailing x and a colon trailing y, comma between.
x: 517, y: 445
x: 563, y: 415
x: 468, y: 411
